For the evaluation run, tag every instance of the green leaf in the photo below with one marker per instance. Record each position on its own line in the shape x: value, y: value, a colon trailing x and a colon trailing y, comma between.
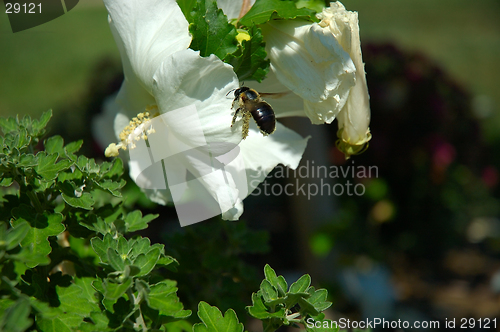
x: 249, y: 60
x: 47, y: 167
x: 112, y: 169
x: 301, y: 285
x: 54, y: 144
x: 16, y: 317
x: 147, y: 262
x: 163, y: 298
x: 16, y: 234
x: 99, y: 322
x: 53, y: 325
x: 111, y: 186
x: 135, y: 221
x: 8, y: 125
x: 278, y: 282
x: 113, y: 291
x: 38, y: 126
x: 101, y: 246
x: 213, y: 321
x: 75, y: 197
x: 87, y: 291
x: 212, y: 33
x: 41, y: 227
x: 269, y: 293
x: 115, y: 260
x: 74, y: 300
x: 266, y: 10
x: 71, y: 148
x: 260, y: 311
x: 307, y: 308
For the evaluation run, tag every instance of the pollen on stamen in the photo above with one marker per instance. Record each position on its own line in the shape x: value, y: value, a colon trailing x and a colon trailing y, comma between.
x: 138, y: 128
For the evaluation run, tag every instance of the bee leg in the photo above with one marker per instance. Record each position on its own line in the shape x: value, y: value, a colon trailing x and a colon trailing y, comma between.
x: 246, y: 124
x: 235, y: 116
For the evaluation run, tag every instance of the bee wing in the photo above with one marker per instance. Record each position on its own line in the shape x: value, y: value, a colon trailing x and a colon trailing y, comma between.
x: 274, y: 95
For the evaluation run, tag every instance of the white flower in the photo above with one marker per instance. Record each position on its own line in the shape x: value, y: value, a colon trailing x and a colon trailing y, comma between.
x: 321, y: 65
x: 354, y: 118
x: 192, y: 157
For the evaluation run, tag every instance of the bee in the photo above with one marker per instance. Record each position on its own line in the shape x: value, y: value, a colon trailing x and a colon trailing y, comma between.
x: 250, y: 104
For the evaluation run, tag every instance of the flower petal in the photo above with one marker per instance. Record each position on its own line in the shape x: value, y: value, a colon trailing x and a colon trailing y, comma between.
x: 186, y: 79
x: 283, y: 101
x: 232, y: 8
x: 146, y: 32
x: 354, y: 118
x: 308, y: 60
x: 261, y: 154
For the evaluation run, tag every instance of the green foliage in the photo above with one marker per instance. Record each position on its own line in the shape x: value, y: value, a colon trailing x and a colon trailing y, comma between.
x: 249, y: 60
x: 64, y: 260
x: 213, y: 34
x: 265, y: 10
x: 213, y: 320
x: 276, y: 304
x: 69, y: 263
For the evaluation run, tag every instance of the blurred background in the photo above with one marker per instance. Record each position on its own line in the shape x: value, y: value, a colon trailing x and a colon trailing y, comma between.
x: 422, y: 243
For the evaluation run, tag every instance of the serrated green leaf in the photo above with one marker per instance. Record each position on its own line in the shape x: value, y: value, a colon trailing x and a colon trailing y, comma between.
x: 27, y: 160
x: 268, y: 292
x: 260, y: 311
x: 211, y: 31
x: 99, y: 323
x: 53, y: 325
x: 73, y: 147
x: 278, y: 282
x: 213, y: 321
x: 47, y: 167
x: 179, y: 326
x: 249, y: 60
x: 135, y: 221
x: 115, y: 260
x: 16, y: 317
x: 301, y: 285
x: 87, y: 291
x: 163, y: 298
x: 38, y: 126
x: 41, y: 227
x: 122, y: 247
x: 140, y: 245
x: 112, y: 187
x: 187, y: 7
x: 74, y: 300
x: 23, y: 138
x: 100, y: 248
x: 6, y: 182
x: 8, y: 125
x: 112, y: 169
x: 147, y: 262
x: 74, y: 197
x: 319, y: 295
x: 321, y: 306
x: 16, y: 234
x: 54, y: 144
x: 306, y: 308
x: 266, y: 10
x: 113, y: 291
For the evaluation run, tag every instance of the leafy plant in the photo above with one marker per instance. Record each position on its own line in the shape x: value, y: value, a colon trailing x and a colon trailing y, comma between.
x: 69, y: 263
x: 64, y: 260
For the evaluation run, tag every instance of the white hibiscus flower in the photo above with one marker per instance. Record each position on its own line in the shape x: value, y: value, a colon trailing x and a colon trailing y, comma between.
x: 321, y: 67
x: 178, y: 101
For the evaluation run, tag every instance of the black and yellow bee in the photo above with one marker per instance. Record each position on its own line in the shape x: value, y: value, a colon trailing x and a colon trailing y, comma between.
x: 249, y: 103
